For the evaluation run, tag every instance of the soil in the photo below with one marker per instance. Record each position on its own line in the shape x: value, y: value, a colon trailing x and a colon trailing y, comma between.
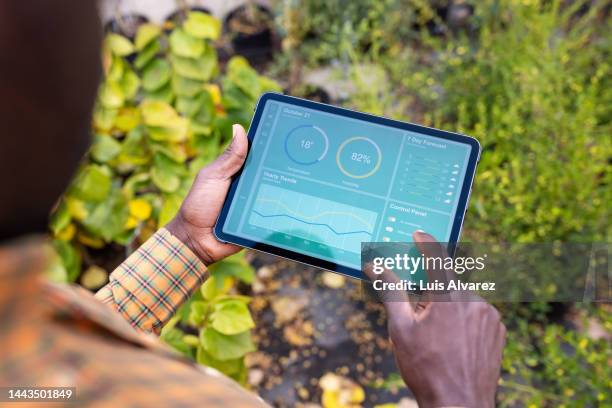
x: 309, y: 323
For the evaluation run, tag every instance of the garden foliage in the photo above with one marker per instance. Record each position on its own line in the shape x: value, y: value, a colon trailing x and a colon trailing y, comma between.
x: 164, y: 110
x: 531, y: 81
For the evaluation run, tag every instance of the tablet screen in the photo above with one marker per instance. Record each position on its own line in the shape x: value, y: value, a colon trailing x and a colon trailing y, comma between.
x: 319, y: 184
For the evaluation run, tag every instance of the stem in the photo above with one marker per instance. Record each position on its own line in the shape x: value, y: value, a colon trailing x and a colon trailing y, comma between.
x: 530, y: 389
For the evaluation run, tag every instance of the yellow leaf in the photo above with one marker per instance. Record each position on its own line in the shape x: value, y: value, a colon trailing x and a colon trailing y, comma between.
x: 357, y: 394
x: 127, y: 119
x: 215, y: 93
x: 130, y: 223
x: 330, y: 400
x: 77, y: 208
x: 90, y: 241
x: 67, y: 233
x: 94, y: 277
x: 333, y: 280
x: 140, y: 209
x: 158, y: 113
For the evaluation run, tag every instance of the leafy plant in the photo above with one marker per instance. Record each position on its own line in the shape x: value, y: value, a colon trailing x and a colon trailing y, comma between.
x: 555, y: 367
x: 531, y: 81
x: 164, y: 110
x: 220, y: 317
x: 533, y: 87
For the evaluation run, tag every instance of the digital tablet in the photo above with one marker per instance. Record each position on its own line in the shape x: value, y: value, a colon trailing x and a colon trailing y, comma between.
x: 319, y: 180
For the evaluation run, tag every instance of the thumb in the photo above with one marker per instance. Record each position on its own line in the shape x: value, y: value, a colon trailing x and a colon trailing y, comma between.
x: 232, y: 159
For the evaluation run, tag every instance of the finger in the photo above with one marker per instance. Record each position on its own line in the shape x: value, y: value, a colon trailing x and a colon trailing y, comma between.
x: 232, y: 159
x: 435, y: 256
x: 396, y: 302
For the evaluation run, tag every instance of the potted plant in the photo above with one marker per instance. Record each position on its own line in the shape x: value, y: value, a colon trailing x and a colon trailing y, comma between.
x: 251, y: 29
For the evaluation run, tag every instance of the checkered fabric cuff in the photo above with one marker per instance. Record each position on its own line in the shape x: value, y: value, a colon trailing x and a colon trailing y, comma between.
x: 154, y: 281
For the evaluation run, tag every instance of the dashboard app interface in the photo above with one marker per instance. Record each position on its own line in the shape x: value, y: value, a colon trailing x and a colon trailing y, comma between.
x: 320, y: 184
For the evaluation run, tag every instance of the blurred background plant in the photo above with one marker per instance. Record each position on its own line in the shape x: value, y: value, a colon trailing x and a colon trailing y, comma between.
x: 530, y: 79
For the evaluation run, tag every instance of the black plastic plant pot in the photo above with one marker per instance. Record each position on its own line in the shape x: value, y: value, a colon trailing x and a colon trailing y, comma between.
x: 318, y: 94
x: 178, y: 16
x: 127, y: 25
x: 251, y: 36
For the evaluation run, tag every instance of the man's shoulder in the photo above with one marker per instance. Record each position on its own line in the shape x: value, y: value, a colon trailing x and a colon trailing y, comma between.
x: 116, y: 364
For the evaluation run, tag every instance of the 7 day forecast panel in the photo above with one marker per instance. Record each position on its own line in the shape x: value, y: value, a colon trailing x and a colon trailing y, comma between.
x: 320, y: 184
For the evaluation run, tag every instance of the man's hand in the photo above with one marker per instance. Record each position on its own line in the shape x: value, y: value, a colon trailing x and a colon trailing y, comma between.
x: 448, y: 353
x: 195, y: 221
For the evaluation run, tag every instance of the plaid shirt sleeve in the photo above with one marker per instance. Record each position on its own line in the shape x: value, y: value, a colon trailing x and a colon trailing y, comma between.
x: 154, y: 281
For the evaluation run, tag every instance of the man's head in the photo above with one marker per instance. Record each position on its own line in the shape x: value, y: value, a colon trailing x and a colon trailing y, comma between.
x: 49, y: 73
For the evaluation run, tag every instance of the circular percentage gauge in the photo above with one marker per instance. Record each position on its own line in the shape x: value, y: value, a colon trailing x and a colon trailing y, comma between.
x: 306, y: 144
x: 359, y: 157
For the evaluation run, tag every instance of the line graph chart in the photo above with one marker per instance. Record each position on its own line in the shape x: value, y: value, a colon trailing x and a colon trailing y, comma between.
x: 312, y: 218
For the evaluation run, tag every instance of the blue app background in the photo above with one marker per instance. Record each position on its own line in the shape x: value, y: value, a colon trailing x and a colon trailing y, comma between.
x: 320, y: 184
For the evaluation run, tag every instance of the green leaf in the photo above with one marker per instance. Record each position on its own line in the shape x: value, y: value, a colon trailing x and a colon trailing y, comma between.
x: 156, y: 75
x: 146, y: 55
x: 186, y: 87
x: 119, y: 45
x: 207, y: 148
x: 201, y: 68
x: 187, y: 106
x: 104, y: 118
x: 71, y: 259
x: 197, y: 312
x: 115, y: 72
x: 108, y: 218
x: 175, y: 132
x: 163, y: 94
x: 184, y: 45
x: 171, y: 205
x: 247, y: 80
x: 93, y: 183
x: 269, y: 85
x: 104, y: 148
x: 235, y: 266
x: 60, y: 218
x: 136, y: 182
x: 174, y: 151
x: 166, y: 182
x: 224, y: 347
x: 146, y: 33
x: 202, y: 25
x: 227, y: 367
x: 206, y: 112
x: 214, y: 287
x: 56, y: 272
x: 129, y: 84
x: 231, y: 317
x: 111, y: 95
x: 174, y: 337
x: 134, y: 150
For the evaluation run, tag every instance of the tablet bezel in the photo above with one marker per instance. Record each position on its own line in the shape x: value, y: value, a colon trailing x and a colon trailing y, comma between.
x: 321, y: 263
